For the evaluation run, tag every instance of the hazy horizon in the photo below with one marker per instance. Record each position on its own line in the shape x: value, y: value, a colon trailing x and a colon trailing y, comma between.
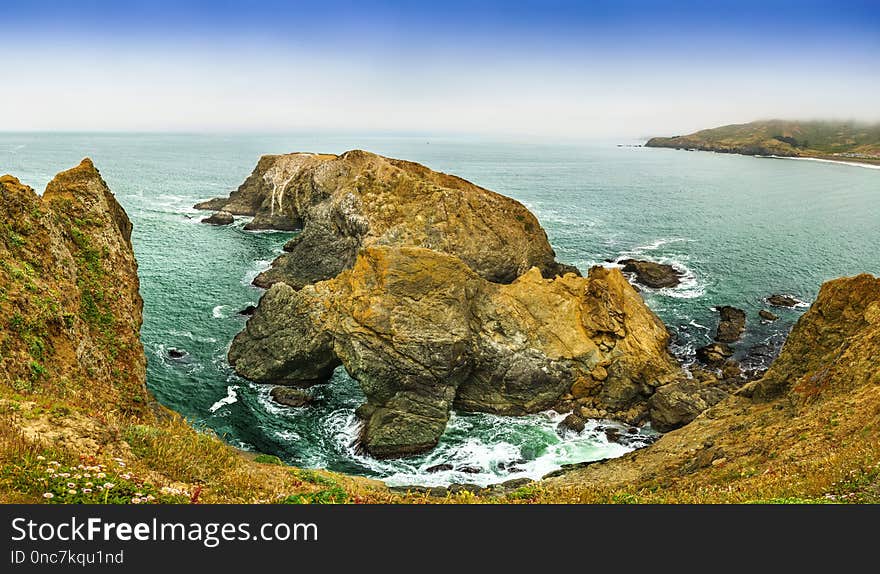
x: 629, y: 69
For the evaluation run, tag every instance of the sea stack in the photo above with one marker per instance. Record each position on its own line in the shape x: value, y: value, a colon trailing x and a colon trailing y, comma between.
x: 359, y: 199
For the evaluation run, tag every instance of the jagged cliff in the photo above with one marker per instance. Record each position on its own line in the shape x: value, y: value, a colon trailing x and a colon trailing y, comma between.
x: 359, y: 199
x: 423, y: 333
x: 77, y: 423
x: 69, y: 300
x: 815, y: 412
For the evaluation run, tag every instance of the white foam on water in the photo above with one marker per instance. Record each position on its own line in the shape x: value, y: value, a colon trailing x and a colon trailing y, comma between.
x: 652, y: 246
x: 288, y: 435
x: 230, y: 398
x: 491, y: 455
x: 822, y: 160
x: 256, y: 268
x: 192, y: 337
x: 799, y: 304
x: 689, y: 287
x: 217, y: 312
x: 266, y: 402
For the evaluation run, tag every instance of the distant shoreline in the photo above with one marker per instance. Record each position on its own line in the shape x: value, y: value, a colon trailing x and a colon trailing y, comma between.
x: 870, y: 164
x: 852, y: 162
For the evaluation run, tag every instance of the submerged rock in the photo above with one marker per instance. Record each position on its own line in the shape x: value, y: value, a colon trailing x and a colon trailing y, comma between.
x: 219, y: 218
x: 572, y: 422
x: 731, y: 325
x: 782, y: 301
x: 290, y: 397
x: 176, y: 353
x: 422, y: 332
x: 767, y: 315
x: 359, y: 199
x: 652, y: 274
x: 439, y: 468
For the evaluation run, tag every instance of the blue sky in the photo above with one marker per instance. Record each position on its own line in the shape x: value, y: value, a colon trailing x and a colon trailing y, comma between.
x: 552, y: 68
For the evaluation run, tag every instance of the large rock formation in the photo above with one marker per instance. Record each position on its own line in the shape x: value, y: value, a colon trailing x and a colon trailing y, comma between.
x: 359, y: 199
x: 70, y: 311
x: 423, y: 332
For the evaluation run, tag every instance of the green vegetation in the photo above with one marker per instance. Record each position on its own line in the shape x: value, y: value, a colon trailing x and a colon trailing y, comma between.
x: 268, y: 459
x: 333, y: 494
x: 832, y: 140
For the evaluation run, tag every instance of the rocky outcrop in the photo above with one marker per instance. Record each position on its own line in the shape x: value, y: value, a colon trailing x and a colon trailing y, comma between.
x: 782, y: 301
x: 219, y: 218
x: 70, y: 311
x: 833, y: 346
x: 767, y: 315
x: 714, y: 354
x: 359, y: 199
x: 652, y: 274
x: 731, y: 325
x: 423, y: 332
x: 573, y: 423
x: 290, y: 397
x: 676, y: 404
x: 800, y: 417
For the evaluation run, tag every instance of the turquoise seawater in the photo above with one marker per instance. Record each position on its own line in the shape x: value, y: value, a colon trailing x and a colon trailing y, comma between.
x: 741, y: 228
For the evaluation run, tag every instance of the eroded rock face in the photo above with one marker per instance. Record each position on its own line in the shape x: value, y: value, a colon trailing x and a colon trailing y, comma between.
x: 70, y: 311
x: 835, y: 343
x: 422, y: 332
x: 360, y: 199
x: 826, y: 369
x: 676, y: 404
x: 714, y: 354
x: 219, y: 218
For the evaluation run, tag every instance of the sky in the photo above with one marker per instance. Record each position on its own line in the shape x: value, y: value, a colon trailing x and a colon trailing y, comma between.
x: 552, y: 68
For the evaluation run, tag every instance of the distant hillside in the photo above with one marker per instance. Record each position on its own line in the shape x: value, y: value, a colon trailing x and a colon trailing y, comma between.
x: 823, y: 139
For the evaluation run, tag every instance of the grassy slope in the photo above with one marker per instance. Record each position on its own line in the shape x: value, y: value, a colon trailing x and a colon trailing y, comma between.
x: 72, y: 372
x: 832, y: 140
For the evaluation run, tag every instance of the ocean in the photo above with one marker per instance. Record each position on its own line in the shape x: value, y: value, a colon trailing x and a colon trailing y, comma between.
x: 740, y: 228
